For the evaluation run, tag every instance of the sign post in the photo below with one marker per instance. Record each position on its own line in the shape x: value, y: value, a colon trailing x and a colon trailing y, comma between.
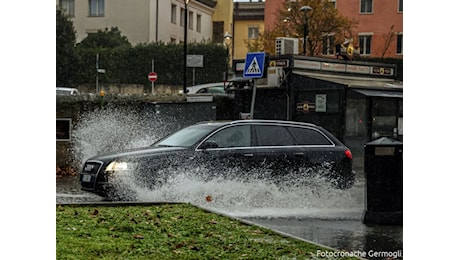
x: 254, y: 68
x: 153, y: 82
x: 194, y: 61
x: 152, y: 77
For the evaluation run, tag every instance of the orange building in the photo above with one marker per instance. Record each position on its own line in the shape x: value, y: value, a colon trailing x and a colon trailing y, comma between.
x: 271, y: 9
x: 380, y: 29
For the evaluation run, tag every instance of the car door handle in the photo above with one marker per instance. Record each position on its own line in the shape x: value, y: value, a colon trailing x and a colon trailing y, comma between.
x: 298, y: 154
x: 248, y: 155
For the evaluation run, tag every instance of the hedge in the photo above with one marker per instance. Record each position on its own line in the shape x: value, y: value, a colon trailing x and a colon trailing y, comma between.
x: 130, y: 65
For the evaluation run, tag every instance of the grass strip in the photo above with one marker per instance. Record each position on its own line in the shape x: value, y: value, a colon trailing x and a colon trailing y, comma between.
x: 169, y: 231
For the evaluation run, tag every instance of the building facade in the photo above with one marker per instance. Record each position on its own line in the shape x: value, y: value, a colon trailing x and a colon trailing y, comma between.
x: 143, y: 21
x: 380, y: 29
x: 248, y: 19
x: 379, y: 32
x: 222, y: 20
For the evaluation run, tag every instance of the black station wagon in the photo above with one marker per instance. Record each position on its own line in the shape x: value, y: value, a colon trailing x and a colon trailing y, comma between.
x: 277, y: 146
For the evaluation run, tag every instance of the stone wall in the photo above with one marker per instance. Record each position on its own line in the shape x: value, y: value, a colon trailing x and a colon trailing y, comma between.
x: 72, y: 107
x: 135, y: 89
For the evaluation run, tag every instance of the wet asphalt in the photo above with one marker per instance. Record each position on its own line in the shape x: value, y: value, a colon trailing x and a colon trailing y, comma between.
x: 349, y: 235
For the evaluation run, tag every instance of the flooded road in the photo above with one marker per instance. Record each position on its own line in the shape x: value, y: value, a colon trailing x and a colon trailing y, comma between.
x: 346, y: 235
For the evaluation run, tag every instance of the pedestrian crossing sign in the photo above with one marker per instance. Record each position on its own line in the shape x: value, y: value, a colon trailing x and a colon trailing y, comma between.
x: 254, y: 65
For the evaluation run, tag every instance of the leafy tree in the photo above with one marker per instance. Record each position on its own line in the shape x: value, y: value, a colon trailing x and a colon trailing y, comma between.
x: 107, y: 39
x: 66, y: 58
x: 255, y: 45
x: 99, y: 48
x: 323, y: 20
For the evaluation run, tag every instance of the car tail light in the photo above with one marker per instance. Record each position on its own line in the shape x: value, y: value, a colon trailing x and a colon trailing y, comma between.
x: 348, y: 154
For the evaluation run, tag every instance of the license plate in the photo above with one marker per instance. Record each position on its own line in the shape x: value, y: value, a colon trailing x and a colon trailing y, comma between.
x: 86, y: 178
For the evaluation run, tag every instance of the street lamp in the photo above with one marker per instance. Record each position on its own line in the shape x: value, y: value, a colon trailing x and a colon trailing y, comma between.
x: 227, y: 42
x: 185, y: 46
x: 305, y: 9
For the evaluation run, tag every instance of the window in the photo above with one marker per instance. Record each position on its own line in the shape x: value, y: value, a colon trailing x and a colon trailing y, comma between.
x: 366, y: 6
x: 399, y: 44
x: 218, y: 31
x: 328, y: 45
x: 236, y: 136
x: 198, y: 23
x: 219, y: 90
x: 173, y: 13
x: 190, y: 20
x: 186, y: 137
x: 400, y: 6
x: 253, y: 32
x: 332, y: 3
x: 273, y: 136
x: 172, y: 40
x: 69, y: 7
x: 306, y: 136
x: 384, y: 117
x: 96, y: 7
x: 182, y: 17
x: 365, y: 44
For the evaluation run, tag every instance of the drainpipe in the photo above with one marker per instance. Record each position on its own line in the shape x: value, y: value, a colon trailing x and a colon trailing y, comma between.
x: 233, y: 33
x: 156, y: 25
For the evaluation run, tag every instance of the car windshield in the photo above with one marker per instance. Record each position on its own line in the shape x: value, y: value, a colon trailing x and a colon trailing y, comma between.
x: 186, y: 137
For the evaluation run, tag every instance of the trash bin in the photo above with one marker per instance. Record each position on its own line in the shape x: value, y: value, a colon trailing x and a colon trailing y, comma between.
x: 383, y: 168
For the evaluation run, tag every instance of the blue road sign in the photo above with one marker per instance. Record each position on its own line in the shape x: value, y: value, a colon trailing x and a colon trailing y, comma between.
x: 254, y: 65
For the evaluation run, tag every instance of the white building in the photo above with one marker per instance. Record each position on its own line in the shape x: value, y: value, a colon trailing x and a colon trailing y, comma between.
x: 143, y: 21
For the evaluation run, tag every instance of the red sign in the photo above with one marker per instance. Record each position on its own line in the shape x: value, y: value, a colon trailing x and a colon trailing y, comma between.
x: 153, y: 76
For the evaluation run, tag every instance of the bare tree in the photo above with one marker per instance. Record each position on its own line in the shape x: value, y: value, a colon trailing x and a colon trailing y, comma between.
x: 389, y: 38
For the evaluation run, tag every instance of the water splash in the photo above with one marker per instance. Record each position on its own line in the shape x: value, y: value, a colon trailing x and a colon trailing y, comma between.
x: 304, y: 193
x: 115, y: 129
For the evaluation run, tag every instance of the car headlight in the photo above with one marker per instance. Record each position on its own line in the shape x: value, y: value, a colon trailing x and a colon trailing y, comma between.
x: 117, y: 166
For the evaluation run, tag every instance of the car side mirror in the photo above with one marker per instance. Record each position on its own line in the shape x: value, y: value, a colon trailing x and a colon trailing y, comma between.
x: 209, y: 145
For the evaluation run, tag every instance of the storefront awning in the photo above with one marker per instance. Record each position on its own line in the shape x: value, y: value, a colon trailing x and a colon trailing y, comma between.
x: 379, y: 93
x: 355, y: 82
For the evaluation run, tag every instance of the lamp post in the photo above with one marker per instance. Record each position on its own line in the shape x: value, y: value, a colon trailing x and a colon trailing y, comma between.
x: 227, y: 42
x: 305, y: 9
x: 185, y: 46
